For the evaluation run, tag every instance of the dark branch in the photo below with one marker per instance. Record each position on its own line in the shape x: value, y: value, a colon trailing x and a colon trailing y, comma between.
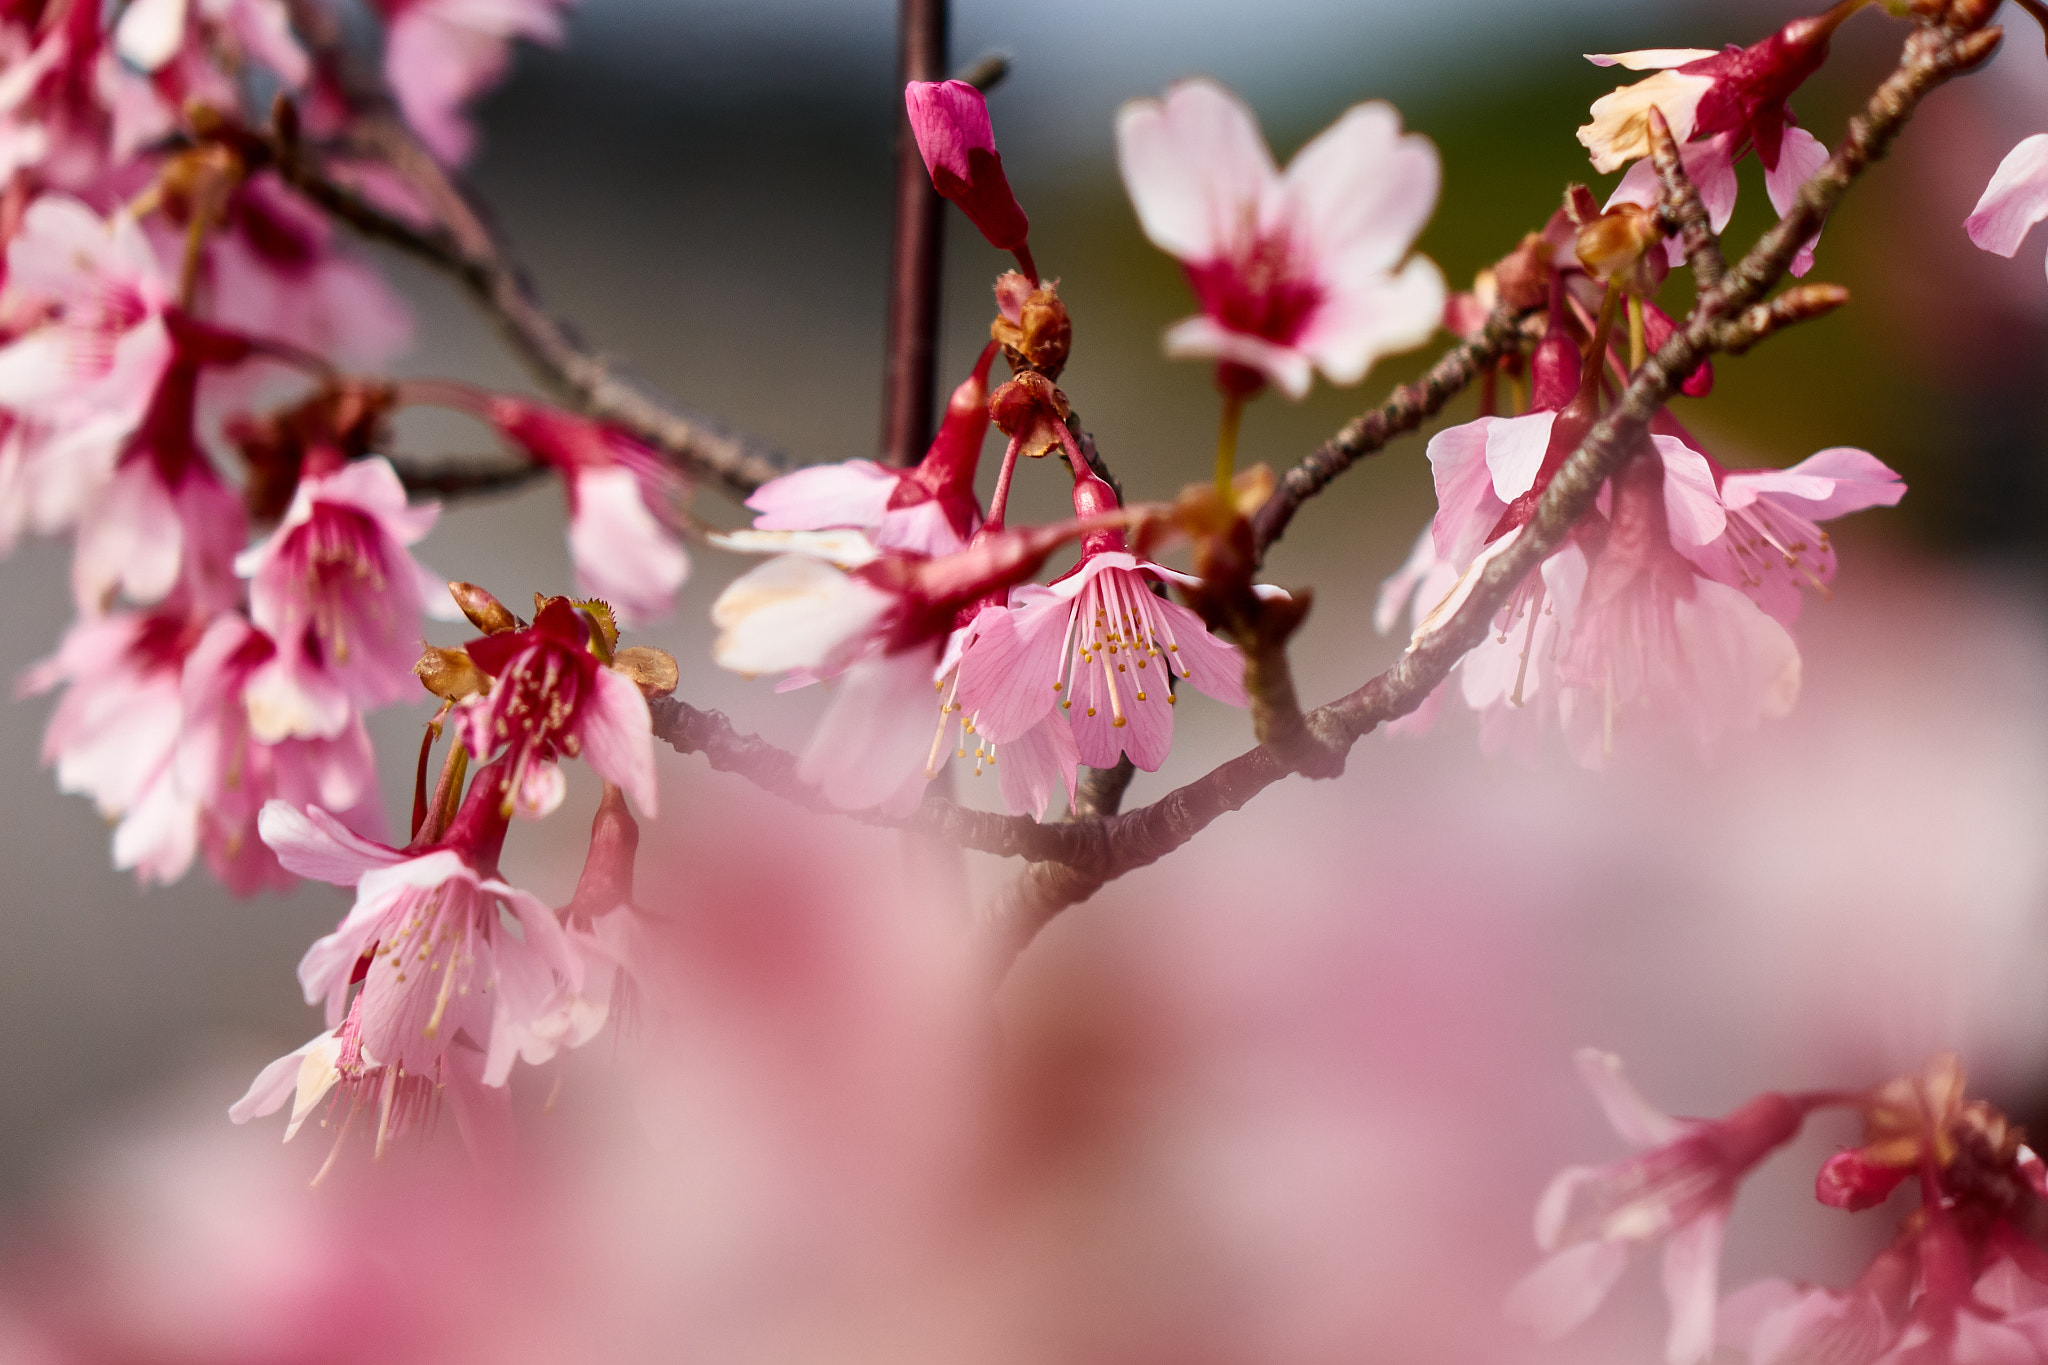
x: 467, y: 478
x: 910, y: 373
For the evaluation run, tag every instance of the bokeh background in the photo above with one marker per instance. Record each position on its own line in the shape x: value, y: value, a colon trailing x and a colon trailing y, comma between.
x: 1288, y: 1095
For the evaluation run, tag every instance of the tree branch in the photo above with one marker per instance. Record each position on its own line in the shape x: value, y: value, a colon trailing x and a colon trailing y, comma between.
x: 1407, y: 408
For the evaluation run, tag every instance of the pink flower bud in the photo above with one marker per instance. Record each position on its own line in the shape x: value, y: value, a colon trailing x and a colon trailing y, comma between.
x: 1850, y: 1180
x: 950, y: 122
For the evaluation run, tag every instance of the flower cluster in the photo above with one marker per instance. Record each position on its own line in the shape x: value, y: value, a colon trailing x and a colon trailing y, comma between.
x: 1961, y: 1281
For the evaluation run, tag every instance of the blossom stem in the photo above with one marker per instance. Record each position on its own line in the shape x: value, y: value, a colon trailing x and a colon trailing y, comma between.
x: 1226, y: 441
x: 1638, y: 352
x: 1596, y: 349
x: 1022, y: 251
x: 999, y: 501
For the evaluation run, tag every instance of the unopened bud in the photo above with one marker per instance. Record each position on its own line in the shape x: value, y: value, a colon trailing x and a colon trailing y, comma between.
x: 652, y: 670
x: 450, y: 674
x: 1973, y: 50
x: 484, y: 611
x: 1805, y: 301
x: 1034, y: 329
x: 1030, y: 408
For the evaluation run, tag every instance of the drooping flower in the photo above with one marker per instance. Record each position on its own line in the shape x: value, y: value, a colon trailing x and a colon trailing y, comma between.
x: 338, y: 591
x: 1719, y: 106
x: 1772, y: 544
x: 928, y: 510
x: 551, y: 695
x: 950, y: 121
x: 230, y: 772
x: 1679, y: 1189
x: 441, y: 54
x: 114, y: 734
x: 625, y: 503
x: 883, y: 625
x: 2015, y: 200
x: 1097, y: 649
x: 449, y: 990
x: 1310, y: 269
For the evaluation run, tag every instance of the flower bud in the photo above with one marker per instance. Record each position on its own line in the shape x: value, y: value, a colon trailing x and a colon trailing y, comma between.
x: 652, y: 670
x: 950, y: 121
x: 450, y: 674
x: 484, y: 611
x: 1850, y: 1180
x: 1621, y: 247
x: 1034, y: 329
x: 1522, y: 277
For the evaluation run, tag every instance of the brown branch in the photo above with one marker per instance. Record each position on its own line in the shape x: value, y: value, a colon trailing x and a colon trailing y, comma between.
x: 1138, y: 838
x: 1407, y: 408
x: 466, y: 478
x: 465, y: 244
x: 1684, y: 212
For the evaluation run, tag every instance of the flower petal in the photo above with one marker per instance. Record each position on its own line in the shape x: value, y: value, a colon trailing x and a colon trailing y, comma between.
x: 1566, y: 1288
x: 2015, y: 200
x: 1195, y: 165
x: 618, y: 736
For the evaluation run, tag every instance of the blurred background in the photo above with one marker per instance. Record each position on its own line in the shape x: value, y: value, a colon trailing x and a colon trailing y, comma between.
x: 1288, y: 1095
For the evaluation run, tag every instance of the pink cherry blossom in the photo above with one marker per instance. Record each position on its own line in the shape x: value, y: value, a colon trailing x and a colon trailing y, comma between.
x: 929, y: 510
x: 230, y: 773
x: 1306, y: 269
x: 443, y: 978
x: 1678, y: 1189
x: 624, y: 505
x: 550, y: 695
x: 886, y: 626
x: 1773, y: 545
x: 950, y: 122
x: 441, y: 54
x: 2015, y: 200
x: 1098, y: 649
x: 336, y: 588
x: 276, y: 271
x: 114, y: 734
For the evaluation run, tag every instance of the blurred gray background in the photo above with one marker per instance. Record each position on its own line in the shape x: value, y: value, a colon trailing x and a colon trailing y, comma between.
x: 703, y: 186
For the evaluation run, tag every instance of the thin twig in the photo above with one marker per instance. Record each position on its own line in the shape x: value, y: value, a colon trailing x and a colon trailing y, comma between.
x: 910, y: 366
x: 1407, y: 408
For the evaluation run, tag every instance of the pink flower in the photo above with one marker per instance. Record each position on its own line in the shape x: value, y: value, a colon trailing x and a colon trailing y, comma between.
x: 929, y: 510
x: 1098, y: 649
x: 276, y: 271
x: 951, y: 124
x: 1772, y: 544
x: 1776, y: 1322
x: 446, y: 985
x: 2015, y: 200
x: 624, y: 504
x: 1306, y: 269
x: 440, y: 54
x: 1718, y: 105
x: 114, y: 734
x: 1679, y: 1188
x: 550, y: 695
x: 884, y: 624
x: 230, y: 773
x: 336, y: 588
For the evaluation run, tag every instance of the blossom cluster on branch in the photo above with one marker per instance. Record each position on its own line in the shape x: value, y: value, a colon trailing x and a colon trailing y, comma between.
x: 190, y: 388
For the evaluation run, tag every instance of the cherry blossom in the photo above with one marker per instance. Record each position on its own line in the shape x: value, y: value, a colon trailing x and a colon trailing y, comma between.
x: 882, y: 624
x: 551, y: 695
x: 443, y: 978
x: 114, y: 734
x: 1719, y: 106
x: 624, y: 506
x: 337, y: 590
x: 1098, y: 650
x: 441, y: 54
x: 151, y: 33
x: 2015, y: 200
x: 230, y: 772
x: 929, y: 510
x: 1678, y: 1189
x: 1310, y: 269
